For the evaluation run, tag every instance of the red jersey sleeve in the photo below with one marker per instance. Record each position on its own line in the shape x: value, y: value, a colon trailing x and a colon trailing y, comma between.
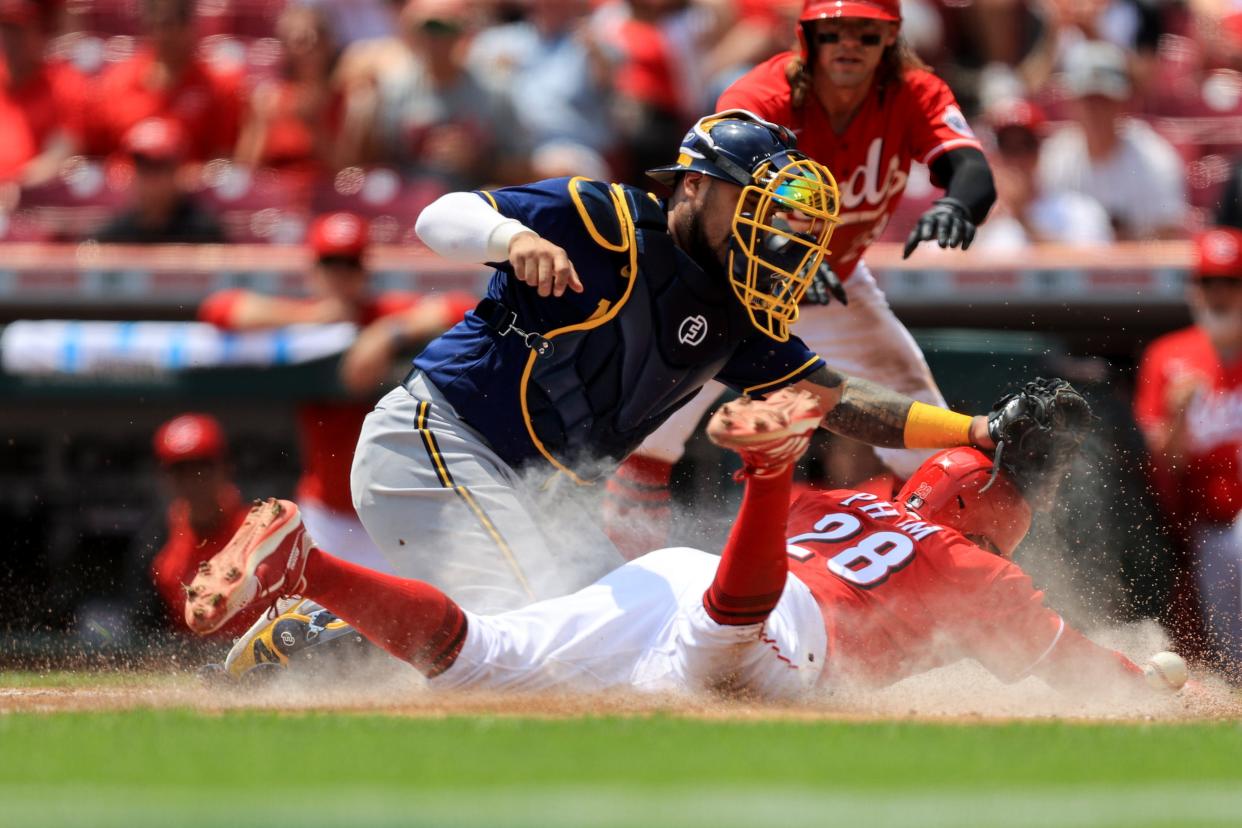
x: 454, y: 304
x: 389, y: 304
x: 217, y: 309
x: 937, y: 125
x: 1004, y: 625
x: 1150, y: 388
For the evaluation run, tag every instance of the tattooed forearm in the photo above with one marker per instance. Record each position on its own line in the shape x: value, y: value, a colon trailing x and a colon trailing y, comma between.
x: 862, y: 410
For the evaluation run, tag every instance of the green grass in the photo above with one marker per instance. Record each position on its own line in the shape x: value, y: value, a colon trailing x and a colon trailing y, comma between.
x: 65, y: 679
x: 176, y: 767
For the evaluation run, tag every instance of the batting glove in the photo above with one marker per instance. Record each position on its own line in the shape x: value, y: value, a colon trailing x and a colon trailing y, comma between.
x: 948, y: 222
x: 825, y: 286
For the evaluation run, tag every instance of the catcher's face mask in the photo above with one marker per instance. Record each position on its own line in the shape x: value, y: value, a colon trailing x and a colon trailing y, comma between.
x: 781, y: 227
x: 784, y: 217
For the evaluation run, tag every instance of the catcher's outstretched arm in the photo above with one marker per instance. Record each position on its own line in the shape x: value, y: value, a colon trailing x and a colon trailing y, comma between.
x: 865, y: 411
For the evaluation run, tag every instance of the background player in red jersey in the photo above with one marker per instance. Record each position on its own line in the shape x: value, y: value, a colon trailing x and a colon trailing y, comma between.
x: 864, y: 106
x: 204, y: 511
x: 1188, y: 402
x: 389, y: 322
x: 865, y: 591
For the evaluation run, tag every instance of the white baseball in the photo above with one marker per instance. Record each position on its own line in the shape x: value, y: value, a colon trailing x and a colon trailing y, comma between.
x: 1166, y: 671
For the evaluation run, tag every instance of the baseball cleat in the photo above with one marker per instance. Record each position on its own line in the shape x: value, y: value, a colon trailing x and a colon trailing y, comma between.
x: 264, y: 560
x: 769, y: 434
x: 302, y: 636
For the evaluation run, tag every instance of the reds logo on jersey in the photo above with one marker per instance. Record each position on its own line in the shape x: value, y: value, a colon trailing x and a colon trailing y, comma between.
x: 866, y: 186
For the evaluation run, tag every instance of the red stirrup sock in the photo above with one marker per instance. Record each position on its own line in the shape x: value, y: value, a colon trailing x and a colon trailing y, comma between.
x: 753, y: 567
x: 637, y: 509
x: 411, y: 619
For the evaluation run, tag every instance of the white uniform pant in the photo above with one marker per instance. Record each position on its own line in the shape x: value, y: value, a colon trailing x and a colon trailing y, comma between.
x: 643, y: 627
x: 442, y: 507
x: 1218, y: 571
x: 864, y: 339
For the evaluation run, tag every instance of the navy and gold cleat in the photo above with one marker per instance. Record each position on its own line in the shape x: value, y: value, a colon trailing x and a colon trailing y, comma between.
x: 302, y: 635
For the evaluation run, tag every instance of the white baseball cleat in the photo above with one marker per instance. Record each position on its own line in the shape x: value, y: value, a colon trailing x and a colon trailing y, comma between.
x: 769, y: 434
x: 264, y: 560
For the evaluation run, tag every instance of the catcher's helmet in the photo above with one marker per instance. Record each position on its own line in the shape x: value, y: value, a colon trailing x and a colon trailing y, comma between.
x: 729, y: 145
x: 785, y: 215
x: 949, y: 489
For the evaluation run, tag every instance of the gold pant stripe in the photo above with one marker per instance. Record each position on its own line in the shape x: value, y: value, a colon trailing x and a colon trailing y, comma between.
x: 446, y: 480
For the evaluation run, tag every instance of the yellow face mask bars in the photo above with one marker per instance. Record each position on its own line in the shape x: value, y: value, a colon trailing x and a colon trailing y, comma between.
x: 781, y: 229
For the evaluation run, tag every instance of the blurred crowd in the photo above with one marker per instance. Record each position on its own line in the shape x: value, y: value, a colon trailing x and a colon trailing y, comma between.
x: 237, y: 120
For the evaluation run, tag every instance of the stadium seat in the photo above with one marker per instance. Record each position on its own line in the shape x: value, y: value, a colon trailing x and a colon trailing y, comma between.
x: 256, y: 206
x: 389, y: 202
x: 72, y: 207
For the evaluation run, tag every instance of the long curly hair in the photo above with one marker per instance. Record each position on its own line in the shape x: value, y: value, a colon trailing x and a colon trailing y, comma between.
x: 894, y: 63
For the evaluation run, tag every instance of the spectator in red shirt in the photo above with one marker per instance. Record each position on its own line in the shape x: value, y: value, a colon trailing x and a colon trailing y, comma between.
x: 388, y: 324
x: 40, y: 102
x: 1189, y: 405
x: 167, y: 77
x: 293, y: 122
x: 205, y: 511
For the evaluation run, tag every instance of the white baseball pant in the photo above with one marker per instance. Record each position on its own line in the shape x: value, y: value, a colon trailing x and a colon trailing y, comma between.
x: 643, y: 627
x: 864, y: 339
x: 1217, y: 556
x: 442, y: 507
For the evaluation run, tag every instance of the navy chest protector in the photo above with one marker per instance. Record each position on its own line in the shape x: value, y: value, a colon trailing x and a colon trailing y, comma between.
x: 612, y: 379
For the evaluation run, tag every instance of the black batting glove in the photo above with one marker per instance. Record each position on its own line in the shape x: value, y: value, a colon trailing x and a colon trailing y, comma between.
x: 825, y: 286
x: 948, y: 222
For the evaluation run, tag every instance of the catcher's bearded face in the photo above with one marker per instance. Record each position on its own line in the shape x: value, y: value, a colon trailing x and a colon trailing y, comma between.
x: 780, y: 231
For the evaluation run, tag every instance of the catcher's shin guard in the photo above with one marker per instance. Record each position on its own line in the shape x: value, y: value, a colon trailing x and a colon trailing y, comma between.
x: 264, y: 560
x: 769, y: 434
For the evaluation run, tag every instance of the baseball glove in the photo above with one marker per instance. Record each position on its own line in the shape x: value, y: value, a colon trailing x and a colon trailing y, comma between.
x: 1038, y: 430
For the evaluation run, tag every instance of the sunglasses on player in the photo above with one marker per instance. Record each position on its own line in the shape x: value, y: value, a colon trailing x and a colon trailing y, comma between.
x: 866, y: 38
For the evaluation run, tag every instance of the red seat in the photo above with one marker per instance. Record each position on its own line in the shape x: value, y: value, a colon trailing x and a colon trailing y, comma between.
x: 391, y: 204
x: 110, y: 17
x: 72, y: 207
x: 256, y: 206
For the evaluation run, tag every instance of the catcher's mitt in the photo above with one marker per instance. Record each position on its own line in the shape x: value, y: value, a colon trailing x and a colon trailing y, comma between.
x: 1038, y: 430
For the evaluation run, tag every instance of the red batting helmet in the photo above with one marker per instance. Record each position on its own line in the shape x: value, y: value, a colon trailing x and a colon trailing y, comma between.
x: 889, y: 10
x: 948, y: 489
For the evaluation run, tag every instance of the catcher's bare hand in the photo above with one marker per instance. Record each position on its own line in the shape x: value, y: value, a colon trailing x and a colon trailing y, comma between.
x: 542, y: 265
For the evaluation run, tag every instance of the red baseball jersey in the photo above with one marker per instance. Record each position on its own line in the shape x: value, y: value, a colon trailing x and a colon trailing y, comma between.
x: 915, y: 120
x: 901, y: 596
x: 1209, y: 486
